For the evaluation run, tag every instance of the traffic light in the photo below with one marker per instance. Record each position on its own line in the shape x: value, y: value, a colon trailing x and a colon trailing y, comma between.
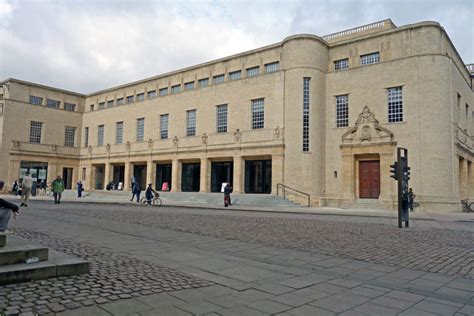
x: 406, y: 173
x: 394, y: 170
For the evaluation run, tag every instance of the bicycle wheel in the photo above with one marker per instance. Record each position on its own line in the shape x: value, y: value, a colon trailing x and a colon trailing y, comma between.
x: 157, y: 202
x: 144, y: 201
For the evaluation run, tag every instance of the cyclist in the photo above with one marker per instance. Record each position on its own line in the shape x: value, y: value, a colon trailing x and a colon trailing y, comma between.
x: 149, y: 193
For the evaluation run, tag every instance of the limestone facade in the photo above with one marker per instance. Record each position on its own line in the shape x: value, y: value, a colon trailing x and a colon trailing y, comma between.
x: 322, y: 115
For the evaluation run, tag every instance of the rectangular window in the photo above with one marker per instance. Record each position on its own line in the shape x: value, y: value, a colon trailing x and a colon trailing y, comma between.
x: 189, y: 85
x: 35, y: 132
x: 306, y: 105
x: 163, y: 92
x: 130, y: 99
x: 368, y: 59
x: 84, y: 172
x: 191, y: 123
x: 272, y: 67
x: 164, y: 126
x: 100, y: 135
x: 140, y: 97
x: 341, y: 64
x: 151, y: 94
x: 69, y: 107
x: 86, y: 136
x: 101, y: 105
x: 203, y: 82
x: 395, y: 105
x: 222, y: 118
x: 69, y: 136
x: 36, y: 100
x: 176, y: 88
x: 258, y: 113
x: 119, y: 132
x: 110, y: 103
x: 342, y: 110
x: 140, y: 129
x: 92, y: 107
x: 253, y: 72
x: 218, y: 79
x: 120, y: 101
x: 52, y: 103
x: 235, y: 75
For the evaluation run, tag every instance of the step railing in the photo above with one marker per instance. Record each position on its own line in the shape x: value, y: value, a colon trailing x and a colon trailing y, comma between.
x: 286, y: 190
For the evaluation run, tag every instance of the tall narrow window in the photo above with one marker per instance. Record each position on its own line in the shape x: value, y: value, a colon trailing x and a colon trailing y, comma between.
x: 164, y: 126
x: 69, y: 136
x: 191, y: 123
x: 92, y: 107
x: 222, y: 118
x: 84, y: 170
x: 140, y: 129
x: 342, y: 110
x: 395, y: 104
x: 100, y: 135
x: 119, y: 133
x: 86, y: 136
x: 306, y: 81
x: 258, y: 113
x: 35, y: 132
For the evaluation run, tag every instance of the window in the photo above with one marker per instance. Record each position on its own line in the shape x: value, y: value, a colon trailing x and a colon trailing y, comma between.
x: 368, y: 59
x: 342, y: 110
x: 100, y: 135
x: 110, y: 103
x: 222, y: 118
x: 176, y: 88
x: 36, y: 100
x: 119, y: 132
x: 306, y: 81
x: 258, y: 113
x: 101, y: 105
x: 84, y: 174
x: 140, y: 129
x: 164, y: 126
x: 35, y: 132
x: 69, y: 107
x: 69, y: 136
x: 92, y: 107
x: 130, y: 99
x: 272, y: 67
x: 52, y: 103
x: 140, y: 97
x: 235, y: 75
x: 151, y: 94
x: 86, y: 136
x: 120, y: 101
x: 395, y: 105
x: 191, y: 123
x: 341, y: 64
x: 163, y: 91
x: 253, y: 72
x: 189, y: 85
x: 203, y: 82
x: 218, y: 79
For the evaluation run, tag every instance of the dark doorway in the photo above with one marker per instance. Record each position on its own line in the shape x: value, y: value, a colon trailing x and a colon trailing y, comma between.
x: 258, y: 176
x: 119, y: 177
x: 221, y: 172
x: 99, y: 177
x: 139, y: 172
x: 369, y: 179
x: 191, y: 177
x: 163, y: 175
x: 67, y: 178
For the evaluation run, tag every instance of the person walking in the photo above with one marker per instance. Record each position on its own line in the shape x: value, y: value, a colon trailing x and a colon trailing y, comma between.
x: 26, y: 185
x: 80, y: 188
x: 227, y: 192
x: 6, y: 210
x: 411, y: 197
x: 15, y: 188
x: 136, y: 192
x: 57, y: 187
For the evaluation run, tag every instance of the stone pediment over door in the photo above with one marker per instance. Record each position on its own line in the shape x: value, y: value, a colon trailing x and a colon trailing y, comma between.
x: 366, y: 131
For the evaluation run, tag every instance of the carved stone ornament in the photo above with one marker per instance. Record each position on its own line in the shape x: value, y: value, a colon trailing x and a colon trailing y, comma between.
x: 54, y: 148
x: 204, y: 138
x: 150, y: 143
x: 15, y: 144
x: 175, y: 141
x: 128, y: 146
x: 89, y: 149
x: 237, y: 135
x: 277, y: 132
x: 366, y: 131
x: 107, y: 148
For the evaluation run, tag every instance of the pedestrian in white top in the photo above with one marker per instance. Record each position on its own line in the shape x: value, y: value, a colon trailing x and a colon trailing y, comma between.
x: 26, y: 185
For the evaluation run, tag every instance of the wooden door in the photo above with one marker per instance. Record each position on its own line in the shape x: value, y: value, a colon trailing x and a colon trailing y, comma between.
x: 369, y: 179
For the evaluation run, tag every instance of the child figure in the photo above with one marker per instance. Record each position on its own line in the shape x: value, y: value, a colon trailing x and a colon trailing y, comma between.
x: 149, y: 193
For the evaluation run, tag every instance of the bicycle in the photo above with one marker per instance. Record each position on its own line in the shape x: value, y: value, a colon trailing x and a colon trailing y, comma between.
x: 155, y: 201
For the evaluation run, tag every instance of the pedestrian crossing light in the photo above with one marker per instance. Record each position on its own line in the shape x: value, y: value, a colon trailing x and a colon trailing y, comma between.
x: 406, y: 173
x: 394, y: 171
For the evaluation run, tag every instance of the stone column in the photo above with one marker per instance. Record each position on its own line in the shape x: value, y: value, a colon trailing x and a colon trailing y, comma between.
x: 238, y: 175
x: 126, y: 176
x: 91, y: 177
x: 348, y: 175
x: 175, y: 177
x: 277, y: 171
x: 13, y: 173
x: 204, y: 181
x: 150, y: 173
x: 463, y: 182
x: 106, y: 175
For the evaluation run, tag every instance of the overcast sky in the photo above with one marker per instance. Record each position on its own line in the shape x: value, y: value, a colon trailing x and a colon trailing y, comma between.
x: 89, y: 45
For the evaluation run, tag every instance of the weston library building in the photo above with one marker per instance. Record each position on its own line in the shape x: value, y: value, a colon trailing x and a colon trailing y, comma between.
x: 321, y: 115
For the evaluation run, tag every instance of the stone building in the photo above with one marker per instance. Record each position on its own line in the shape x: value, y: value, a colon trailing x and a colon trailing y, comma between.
x: 322, y: 115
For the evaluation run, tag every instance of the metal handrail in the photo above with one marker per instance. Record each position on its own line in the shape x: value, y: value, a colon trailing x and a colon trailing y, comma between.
x: 285, y: 187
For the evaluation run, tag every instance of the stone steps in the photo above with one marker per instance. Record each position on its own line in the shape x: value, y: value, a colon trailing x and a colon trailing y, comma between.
x: 18, y: 252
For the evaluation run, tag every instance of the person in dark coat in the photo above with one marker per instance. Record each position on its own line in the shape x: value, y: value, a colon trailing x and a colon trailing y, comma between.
x: 136, y: 190
x: 227, y: 192
x: 80, y: 188
x: 411, y: 197
x: 149, y: 193
x: 6, y: 210
x: 15, y: 188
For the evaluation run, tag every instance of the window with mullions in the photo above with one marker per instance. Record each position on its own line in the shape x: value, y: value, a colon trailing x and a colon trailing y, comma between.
x: 151, y: 94
x: 101, y: 105
x: 120, y: 101
x: 100, y: 135
x: 218, y: 79
x: 253, y: 72
x: 189, y: 85
x: 222, y: 118
x: 140, y: 97
x: 203, y: 82
x: 395, y: 105
x: 306, y: 81
x: 86, y: 136
x: 69, y: 136
x: 272, y: 67
x: 35, y: 132
x: 164, y: 126
x: 53, y: 103
x: 235, y: 75
x: 110, y: 103
x: 140, y: 129
x: 130, y: 99
x: 342, y: 110
x: 258, y: 113
x: 163, y: 92
x: 36, y: 100
x: 368, y: 59
x: 191, y: 123
x: 69, y: 107
x: 176, y: 88
x: 341, y: 64
x: 119, y: 132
